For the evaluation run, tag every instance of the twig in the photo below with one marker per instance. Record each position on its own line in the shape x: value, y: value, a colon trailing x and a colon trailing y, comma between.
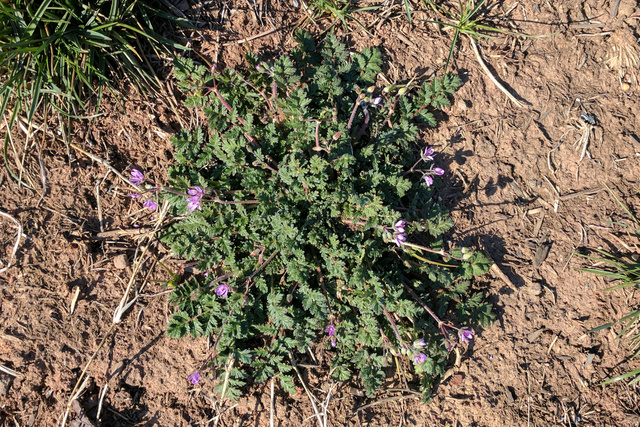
x: 493, y: 79
x: 75, y: 392
x: 103, y: 393
x: 126, y: 232
x: 105, y: 163
x: 326, y: 403
x: 97, y: 190
x: 16, y: 245
x: 388, y: 399
x: 74, y: 300
x: 311, y: 398
x: 496, y: 270
x: 248, y: 39
x: 228, y: 369
x: 589, y: 192
x: 271, y: 405
x: 10, y: 371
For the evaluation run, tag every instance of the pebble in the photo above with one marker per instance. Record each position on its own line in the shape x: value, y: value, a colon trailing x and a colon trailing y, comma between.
x: 120, y: 262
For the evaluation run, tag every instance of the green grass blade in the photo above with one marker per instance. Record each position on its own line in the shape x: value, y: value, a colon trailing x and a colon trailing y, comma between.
x: 408, y: 10
x: 622, y: 377
x: 35, y: 19
x: 601, y: 327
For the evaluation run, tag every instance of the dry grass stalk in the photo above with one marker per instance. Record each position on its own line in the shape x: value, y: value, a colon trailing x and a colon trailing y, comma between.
x: 491, y: 76
x: 16, y: 245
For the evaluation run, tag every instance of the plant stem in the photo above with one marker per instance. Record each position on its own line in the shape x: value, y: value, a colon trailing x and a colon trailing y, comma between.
x: 393, y: 324
x: 428, y: 310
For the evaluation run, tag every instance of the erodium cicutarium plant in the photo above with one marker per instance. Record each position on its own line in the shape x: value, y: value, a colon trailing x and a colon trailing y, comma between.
x: 306, y: 207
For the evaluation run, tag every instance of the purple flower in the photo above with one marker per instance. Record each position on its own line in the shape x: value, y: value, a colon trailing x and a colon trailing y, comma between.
x: 419, y: 358
x: 333, y: 342
x: 438, y: 171
x: 222, y: 290
x: 428, y: 153
x: 194, y: 201
x: 376, y: 101
x: 428, y: 179
x: 419, y: 343
x: 331, y: 330
x: 150, y: 204
x: 194, y: 378
x: 137, y: 177
x: 399, y: 225
x: 400, y: 238
x: 449, y: 344
x: 465, y: 335
x: 134, y: 195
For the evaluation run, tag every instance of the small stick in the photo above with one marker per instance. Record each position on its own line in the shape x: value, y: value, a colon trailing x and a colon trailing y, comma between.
x: 496, y: 270
x: 97, y: 190
x: 311, y: 398
x: 271, y: 405
x: 228, y: 369
x: 103, y: 393
x: 552, y: 343
x: 326, y: 403
x: 10, y: 371
x: 74, y: 300
x: 126, y: 232
x: 493, y: 79
x: 581, y: 193
x: 388, y: 399
x: 15, y: 246
x: 105, y: 163
x: 248, y: 39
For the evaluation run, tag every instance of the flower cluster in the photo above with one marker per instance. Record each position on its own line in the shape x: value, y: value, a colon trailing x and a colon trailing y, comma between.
x: 194, y: 202
x: 419, y: 357
x: 464, y: 335
x: 137, y: 178
x: 331, y: 331
x: 428, y: 154
x: 399, y: 235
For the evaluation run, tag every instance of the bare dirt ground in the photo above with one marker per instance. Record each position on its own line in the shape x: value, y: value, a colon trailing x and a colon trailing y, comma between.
x: 526, y: 185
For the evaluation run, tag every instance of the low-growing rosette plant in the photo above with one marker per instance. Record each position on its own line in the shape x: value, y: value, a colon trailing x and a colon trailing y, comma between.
x: 308, y: 205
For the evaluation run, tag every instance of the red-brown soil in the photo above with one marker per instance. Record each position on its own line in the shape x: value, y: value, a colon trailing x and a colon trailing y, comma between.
x: 517, y: 188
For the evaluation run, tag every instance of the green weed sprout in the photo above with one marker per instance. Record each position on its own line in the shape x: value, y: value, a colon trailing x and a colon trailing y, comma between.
x: 341, y: 10
x: 626, y: 270
x: 307, y: 206
x: 469, y: 22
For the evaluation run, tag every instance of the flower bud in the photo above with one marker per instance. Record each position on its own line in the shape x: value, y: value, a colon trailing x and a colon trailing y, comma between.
x: 402, y: 90
x: 370, y: 89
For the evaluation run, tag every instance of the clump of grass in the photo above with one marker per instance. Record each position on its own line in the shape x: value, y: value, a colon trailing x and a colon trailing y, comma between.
x: 624, y: 269
x: 338, y: 10
x: 61, y: 52
x: 468, y: 21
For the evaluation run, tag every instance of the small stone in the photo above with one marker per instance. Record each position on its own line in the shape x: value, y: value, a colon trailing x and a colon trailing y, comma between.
x: 625, y: 87
x: 534, y: 289
x: 120, y: 262
x: 533, y: 336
